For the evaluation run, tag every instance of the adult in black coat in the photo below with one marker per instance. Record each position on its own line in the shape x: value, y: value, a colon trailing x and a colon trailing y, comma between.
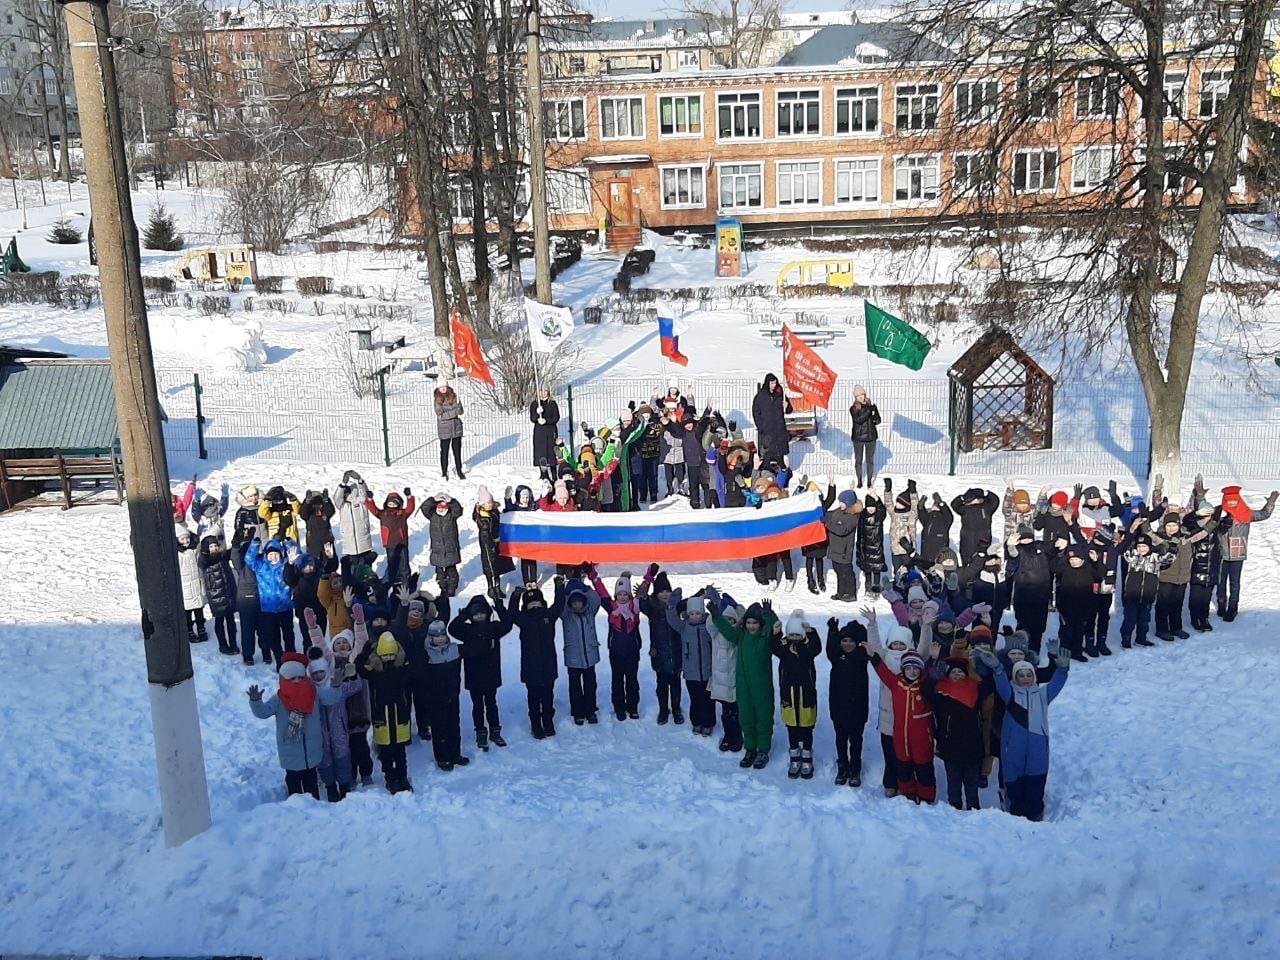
x: 864, y: 418
x: 768, y: 411
x: 847, y: 696
x: 539, y: 666
x: 975, y: 507
x: 480, y: 634
x: 544, y: 414
x: 935, y: 519
x: 220, y: 591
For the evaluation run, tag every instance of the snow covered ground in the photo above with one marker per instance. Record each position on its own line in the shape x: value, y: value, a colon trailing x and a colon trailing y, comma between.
x: 630, y: 840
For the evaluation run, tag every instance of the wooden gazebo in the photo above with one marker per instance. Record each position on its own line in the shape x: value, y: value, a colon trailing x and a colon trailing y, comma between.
x: 1001, y: 399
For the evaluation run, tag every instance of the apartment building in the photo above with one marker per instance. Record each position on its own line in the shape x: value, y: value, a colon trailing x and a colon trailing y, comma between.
x: 861, y: 121
x: 35, y: 67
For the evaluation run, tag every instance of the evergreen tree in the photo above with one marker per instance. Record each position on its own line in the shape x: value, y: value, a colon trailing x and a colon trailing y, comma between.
x: 64, y: 232
x: 162, y: 230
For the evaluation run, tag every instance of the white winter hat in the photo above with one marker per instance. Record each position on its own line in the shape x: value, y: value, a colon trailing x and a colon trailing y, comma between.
x: 916, y: 593
x: 181, y: 530
x: 899, y: 634
x: 319, y: 665
x: 673, y: 383
x: 292, y: 670
x: 345, y: 637
x: 1022, y: 665
x: 696, y: 605
x: 795, y: 624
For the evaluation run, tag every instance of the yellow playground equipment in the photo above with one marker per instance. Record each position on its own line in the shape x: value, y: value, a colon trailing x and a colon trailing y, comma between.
x: 836, y: 272
x: 231, y: 266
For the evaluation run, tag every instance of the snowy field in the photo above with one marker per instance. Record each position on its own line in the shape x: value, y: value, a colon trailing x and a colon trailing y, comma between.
x: 1161, y: 838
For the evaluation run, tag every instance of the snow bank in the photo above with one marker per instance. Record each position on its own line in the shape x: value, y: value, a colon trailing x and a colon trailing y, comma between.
x: 219, y: 343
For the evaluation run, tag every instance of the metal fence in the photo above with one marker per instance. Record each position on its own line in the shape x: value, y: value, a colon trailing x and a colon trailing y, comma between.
x: 1100, y: 426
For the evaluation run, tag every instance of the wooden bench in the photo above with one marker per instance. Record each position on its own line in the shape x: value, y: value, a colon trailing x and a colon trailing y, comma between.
x: 65, y: 470
x: 823, y: 337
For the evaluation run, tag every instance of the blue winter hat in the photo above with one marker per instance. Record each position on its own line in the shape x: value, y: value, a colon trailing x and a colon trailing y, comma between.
x: 847, y: 498
x: 305, y: 560
x: 727, y: 603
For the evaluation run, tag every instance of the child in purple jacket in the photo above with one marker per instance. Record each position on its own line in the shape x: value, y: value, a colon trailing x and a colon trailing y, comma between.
x: 335, y: 766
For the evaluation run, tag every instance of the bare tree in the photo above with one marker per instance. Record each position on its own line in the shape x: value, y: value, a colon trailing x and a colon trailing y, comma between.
x: 738, y: 29
x: 1152, y: 175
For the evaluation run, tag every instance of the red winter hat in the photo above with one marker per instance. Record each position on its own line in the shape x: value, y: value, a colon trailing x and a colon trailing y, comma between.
x: 1231, y: 491
x: 1059, y: 499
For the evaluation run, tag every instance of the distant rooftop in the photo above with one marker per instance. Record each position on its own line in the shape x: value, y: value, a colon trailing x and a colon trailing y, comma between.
x: 844, y: 44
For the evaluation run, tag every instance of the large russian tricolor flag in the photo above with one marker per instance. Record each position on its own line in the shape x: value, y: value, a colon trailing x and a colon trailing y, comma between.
x: 662, y: 536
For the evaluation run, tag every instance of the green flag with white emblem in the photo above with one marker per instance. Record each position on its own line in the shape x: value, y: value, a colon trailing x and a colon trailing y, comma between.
x: 896, y: 340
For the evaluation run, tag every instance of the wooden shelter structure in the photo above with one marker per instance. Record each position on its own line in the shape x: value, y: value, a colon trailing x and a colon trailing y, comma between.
x: 57, y: 426
x: 1001, y: 399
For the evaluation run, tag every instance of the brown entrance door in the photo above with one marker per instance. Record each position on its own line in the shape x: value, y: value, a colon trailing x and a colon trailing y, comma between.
x: 620, y: 212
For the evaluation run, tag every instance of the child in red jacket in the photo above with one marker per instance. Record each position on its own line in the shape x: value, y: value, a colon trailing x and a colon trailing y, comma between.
x: 393, y: 517
x: 912, y: 724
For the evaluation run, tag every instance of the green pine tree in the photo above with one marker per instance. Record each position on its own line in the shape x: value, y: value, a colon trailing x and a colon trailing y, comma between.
x: 162, y: 230
x: 64, y: 232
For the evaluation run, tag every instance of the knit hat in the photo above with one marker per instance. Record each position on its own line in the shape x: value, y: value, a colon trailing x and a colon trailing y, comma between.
x: 696, y: 605
x: 483, y: 495
x: 1021, y: 500
x: 1090, y: 493
x: 346, y: 638
x: 561, y: 490
x: 946, y: 557
x: 729, y: 609
x: 661, y: 583
x: 1172, y: 517
x: 980, y: 633
x: 911, y: 659
x: 859, y: 389
x: 181, y: 530
x: 533, y: 595
x: 1017, y: 640
x: 1022, y: 666
x: 847, y: 498
x: 387, y: 646
x: 318, y: 665
x: 435, y: 628
x: 1059, y: 500
x: 362, y: 572
x: 1025, y: 532
x: 417, y: 610
x: 899, y: 634
x: 673, y: 383
x: 249, y: 491
x: 917, y: 594
x: 957, y: 663
x: 795, y: 624
x: 293, y: 666
x: 902, y: 503
x: 622, y: 585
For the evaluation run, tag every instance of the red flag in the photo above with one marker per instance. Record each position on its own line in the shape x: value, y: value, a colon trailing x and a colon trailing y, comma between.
x: 804, y: 370
x: 466, y: 349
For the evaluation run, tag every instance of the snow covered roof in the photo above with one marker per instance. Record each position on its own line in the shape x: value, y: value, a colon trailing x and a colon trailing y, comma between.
x: 618, y: 158
x: 840, y: 44
x: 620, y: 34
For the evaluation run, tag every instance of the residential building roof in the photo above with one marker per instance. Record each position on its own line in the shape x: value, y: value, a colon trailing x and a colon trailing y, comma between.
x: 57, y: 405
x: 851, y: 44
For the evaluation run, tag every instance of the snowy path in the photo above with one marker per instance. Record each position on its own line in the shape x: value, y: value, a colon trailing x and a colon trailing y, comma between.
x: 628, y: 840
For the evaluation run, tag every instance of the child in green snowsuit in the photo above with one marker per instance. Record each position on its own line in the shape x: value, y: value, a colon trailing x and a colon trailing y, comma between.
x: 754, y: 675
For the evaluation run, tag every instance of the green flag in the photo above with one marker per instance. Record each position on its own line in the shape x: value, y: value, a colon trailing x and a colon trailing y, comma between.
x: 894, y: 339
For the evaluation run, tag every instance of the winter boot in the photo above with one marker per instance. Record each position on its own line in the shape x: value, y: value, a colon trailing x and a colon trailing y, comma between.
x: 579, y: 721
x: 762, y: 760
x: 633, y: 714
x: 1144, y: 642
x: 1182, y: 635
x: 842, y: 774
x: 678, y: 716
x: 806, y: 764
x: 890, y: 792
x: 332, y: 792
x: 1126, y: 643
x: 535, y: 725
x: 548, y: 728
x: 748, y: 759
x: 1090, y: 650
x: 1079, y: 656
x: 461, y: 761
x: 1166, y: 636
x: 445, y: 765
x: 620, y: 715
x: 663, y: 717
x: 495, y: 737
x: 813, y: 586
x: 724, y: 744
x: 593, y: 717
x: 1103, y: 648
x: 1206, y: 625
x: 482, y: 739
x: 793, y: 768
x: 366, y: 780
x: 855, y: 780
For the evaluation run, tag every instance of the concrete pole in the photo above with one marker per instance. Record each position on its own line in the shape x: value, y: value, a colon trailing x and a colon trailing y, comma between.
x: 184, y: 793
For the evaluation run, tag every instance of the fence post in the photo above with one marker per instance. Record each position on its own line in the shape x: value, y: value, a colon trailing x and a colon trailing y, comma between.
x: 571, y: 428
x: 386, y: 429
x: 951, y: 425
x: 200, y: 447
